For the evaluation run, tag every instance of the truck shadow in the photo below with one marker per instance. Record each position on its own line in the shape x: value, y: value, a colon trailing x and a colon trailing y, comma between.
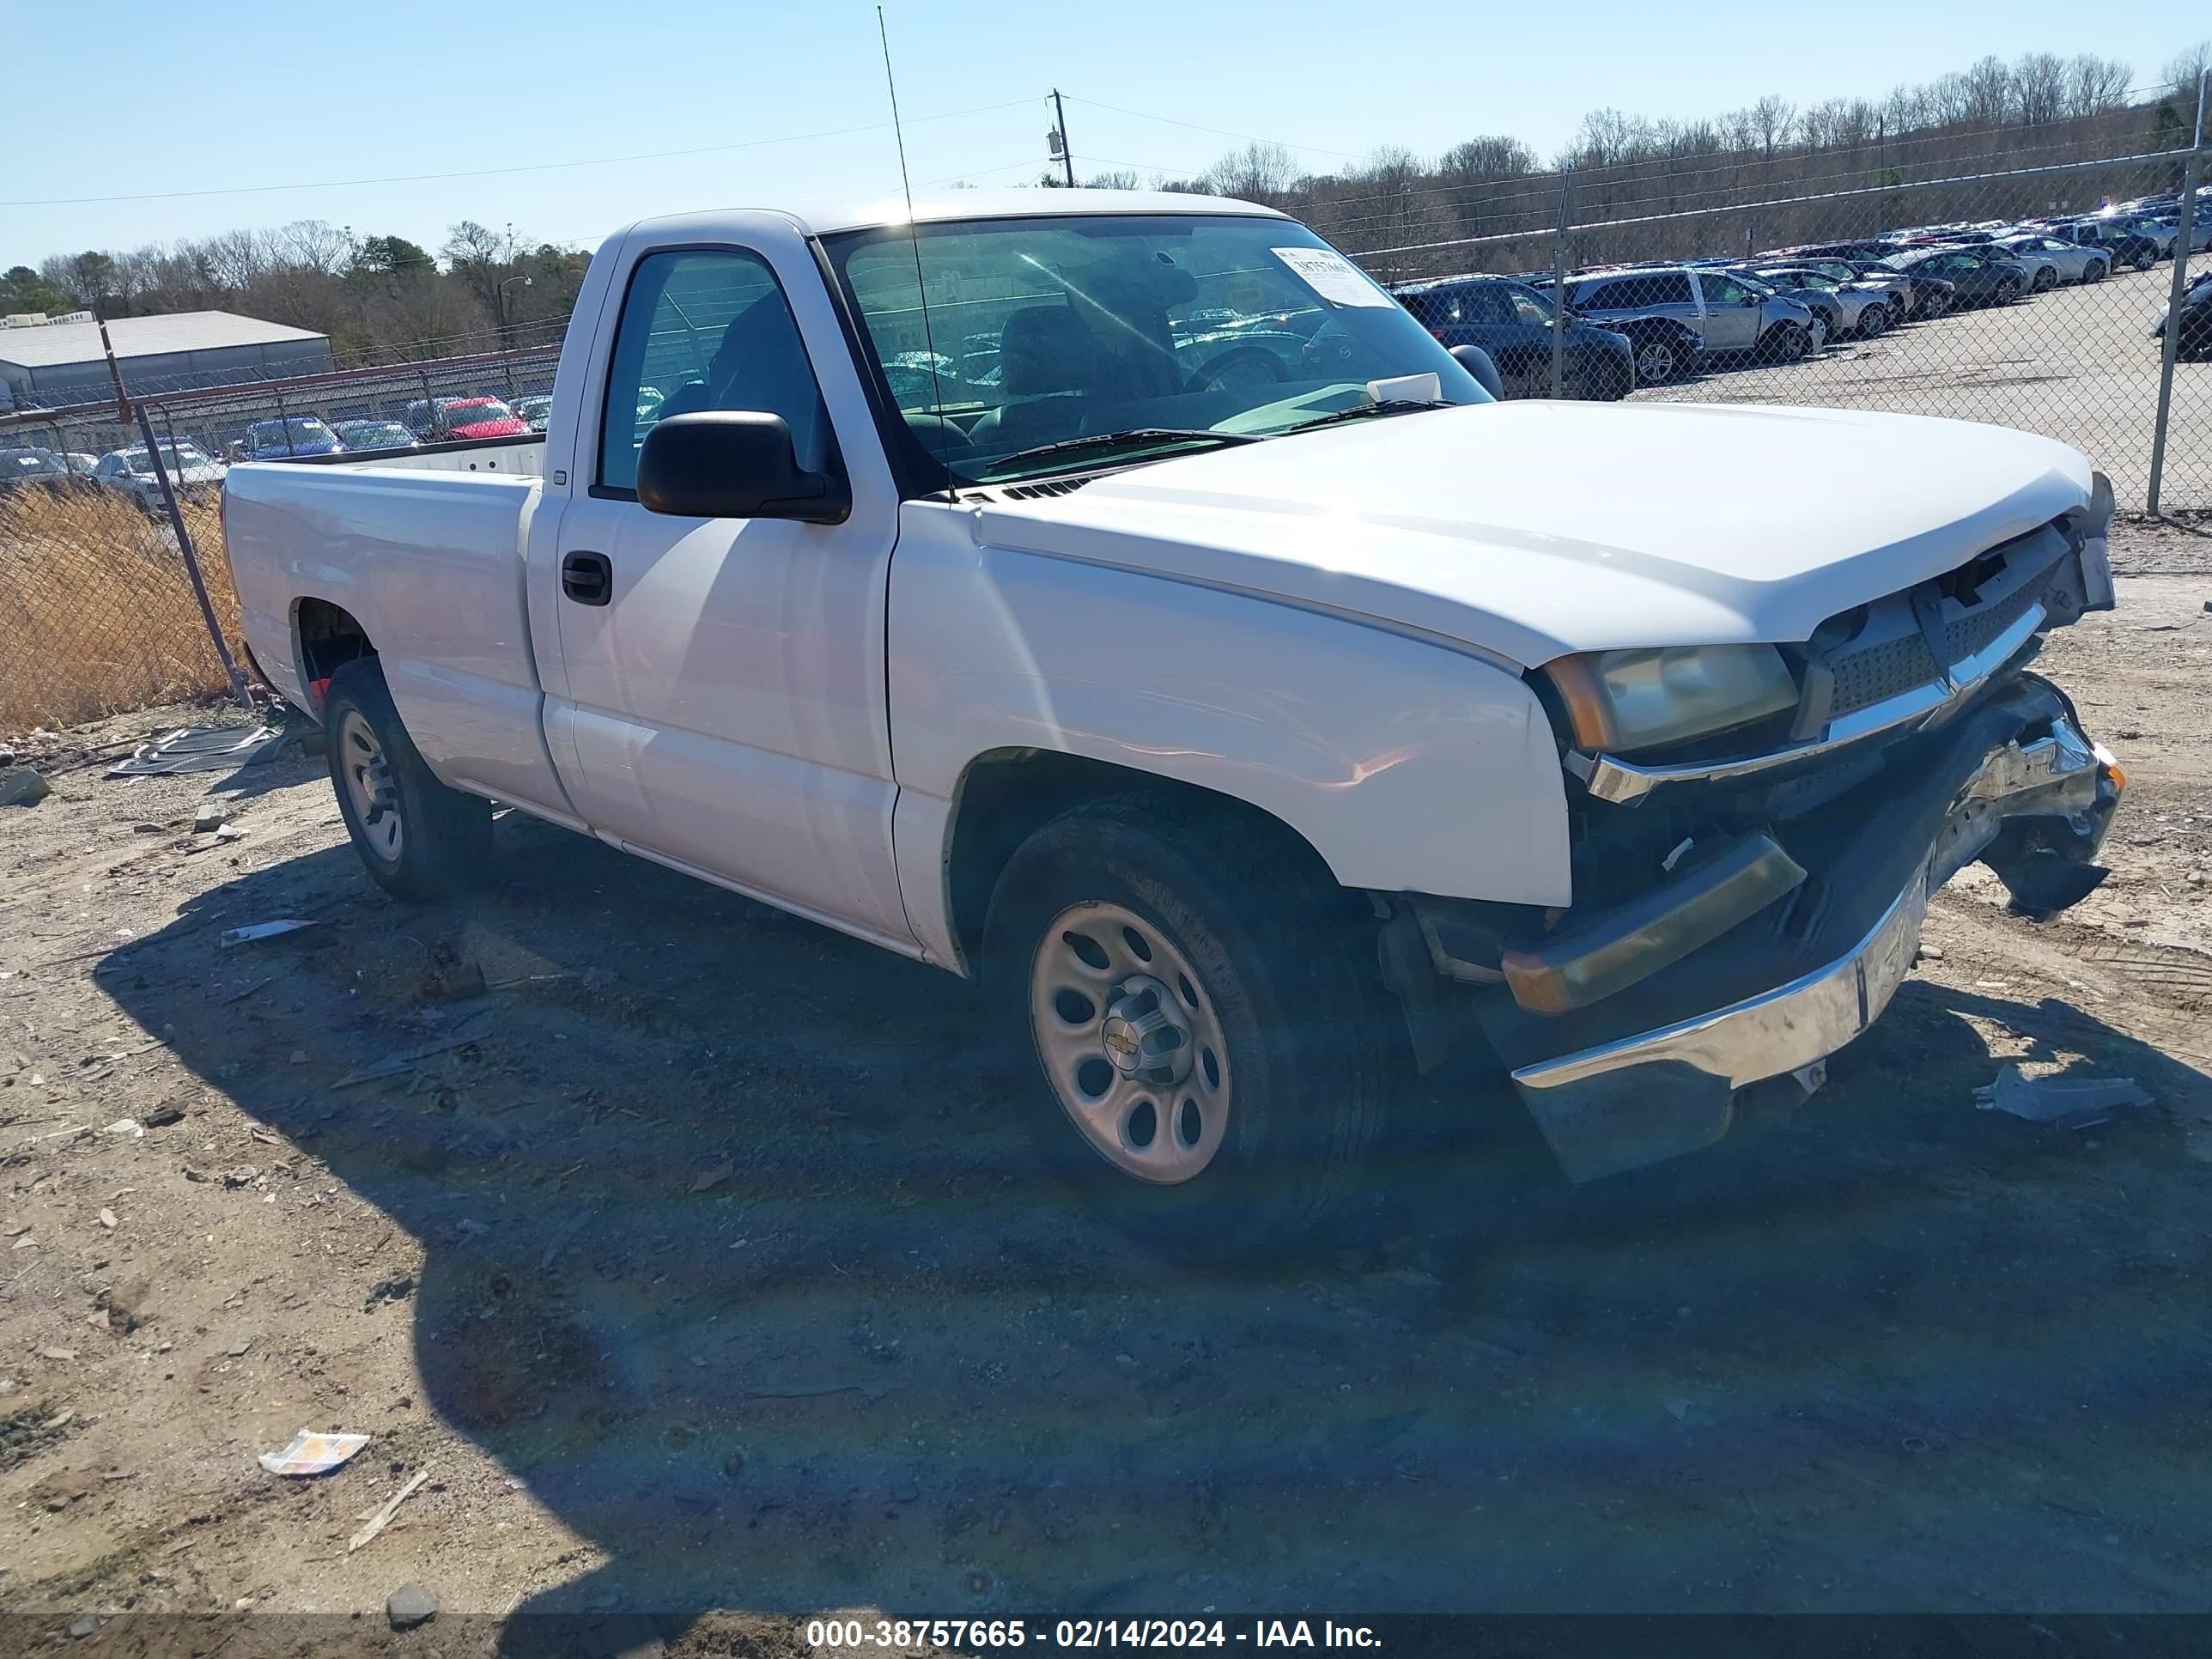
x: 734, y: 1257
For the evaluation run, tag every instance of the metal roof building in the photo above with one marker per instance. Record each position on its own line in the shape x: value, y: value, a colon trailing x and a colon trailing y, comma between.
x: 56, y: 364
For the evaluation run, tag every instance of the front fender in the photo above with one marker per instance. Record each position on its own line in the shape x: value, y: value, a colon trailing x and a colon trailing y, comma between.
x: 1406, y: 763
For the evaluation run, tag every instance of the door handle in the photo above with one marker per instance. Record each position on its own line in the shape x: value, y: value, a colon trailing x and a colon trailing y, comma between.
x: 587, y: 578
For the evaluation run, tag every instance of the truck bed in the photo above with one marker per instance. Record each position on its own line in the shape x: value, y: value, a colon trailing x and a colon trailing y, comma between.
x: 424, y: 549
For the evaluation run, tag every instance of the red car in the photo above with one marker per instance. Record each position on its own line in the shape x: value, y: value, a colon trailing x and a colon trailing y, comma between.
x: 451, y: 419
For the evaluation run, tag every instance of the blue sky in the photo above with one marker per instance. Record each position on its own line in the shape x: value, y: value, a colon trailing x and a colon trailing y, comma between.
x: 163, y: 98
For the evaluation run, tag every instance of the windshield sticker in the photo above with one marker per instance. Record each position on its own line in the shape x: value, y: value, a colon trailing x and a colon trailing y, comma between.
x: 1332, y: 276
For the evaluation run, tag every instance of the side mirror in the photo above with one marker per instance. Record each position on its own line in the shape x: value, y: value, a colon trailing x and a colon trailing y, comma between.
x: 734, y: 464
x: 1477, y: 362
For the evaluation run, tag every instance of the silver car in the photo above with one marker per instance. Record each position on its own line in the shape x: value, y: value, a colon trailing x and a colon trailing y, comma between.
x: 2051, y: 261
x: 1865, y: 309
x: 131, y: 472
x: 1728, y: 317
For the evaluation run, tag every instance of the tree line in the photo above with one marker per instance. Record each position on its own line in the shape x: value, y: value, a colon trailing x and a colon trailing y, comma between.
x: 381, y: 298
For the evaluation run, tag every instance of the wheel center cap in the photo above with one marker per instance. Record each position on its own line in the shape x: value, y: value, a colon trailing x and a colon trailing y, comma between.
x: 1144, y: 1035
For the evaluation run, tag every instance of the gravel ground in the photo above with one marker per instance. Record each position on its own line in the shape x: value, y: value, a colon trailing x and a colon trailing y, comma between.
x: 705, y: 1277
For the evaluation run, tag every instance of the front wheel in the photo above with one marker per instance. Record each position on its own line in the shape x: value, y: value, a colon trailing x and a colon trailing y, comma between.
x: 1204, y: 1005
x: 421, y: 840
x: 1783, y: 343
x: 2046, y: 278
x: 2097, y: 271
x: 1657, y: 361
x: 1874, y: 322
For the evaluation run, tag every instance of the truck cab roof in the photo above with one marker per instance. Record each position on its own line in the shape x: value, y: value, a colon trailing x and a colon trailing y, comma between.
x: 938, y: 207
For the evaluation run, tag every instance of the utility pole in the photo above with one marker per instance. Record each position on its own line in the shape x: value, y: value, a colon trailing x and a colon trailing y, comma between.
x: 1066, y: 160
x: 2170, y: 346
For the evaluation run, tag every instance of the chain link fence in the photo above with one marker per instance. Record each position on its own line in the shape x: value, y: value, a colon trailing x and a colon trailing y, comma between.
x: 97, y: 610
x: 2031, y: 297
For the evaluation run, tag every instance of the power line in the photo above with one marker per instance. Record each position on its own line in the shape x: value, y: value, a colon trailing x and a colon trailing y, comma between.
x: 1218, y: 133
x: 493, y: 173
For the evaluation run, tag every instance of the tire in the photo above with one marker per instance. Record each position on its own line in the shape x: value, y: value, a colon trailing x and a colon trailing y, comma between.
x: 2146, y: 259
x: 2095, y: 272
x: 419, y: 839
x: 2046, y: 278
x: 1784, y: 342
x: 1874, y: 322
x: 1256, y: 990
x: 1658, y: 360
x: 2010, y: 292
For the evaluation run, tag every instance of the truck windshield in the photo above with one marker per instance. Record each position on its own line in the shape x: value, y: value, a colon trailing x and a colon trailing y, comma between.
x: 1161, y: 329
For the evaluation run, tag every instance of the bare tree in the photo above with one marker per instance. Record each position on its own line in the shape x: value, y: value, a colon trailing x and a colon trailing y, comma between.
x: 2038, y: 88
x: 1258, y: 172
x: 2096, y: 86
x: 2185, y: 69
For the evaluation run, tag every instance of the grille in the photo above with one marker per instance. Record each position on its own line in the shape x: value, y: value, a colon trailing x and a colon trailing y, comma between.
x: 1868, y: 677
x: 1964, y: 636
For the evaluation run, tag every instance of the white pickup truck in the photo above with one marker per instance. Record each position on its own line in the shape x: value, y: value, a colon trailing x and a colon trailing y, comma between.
x: 1118, y: 597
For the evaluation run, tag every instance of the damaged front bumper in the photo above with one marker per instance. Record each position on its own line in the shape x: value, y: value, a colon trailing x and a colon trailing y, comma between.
x: 1657, y: 1069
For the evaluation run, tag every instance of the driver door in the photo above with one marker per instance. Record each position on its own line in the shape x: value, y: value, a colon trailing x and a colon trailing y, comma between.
x: 725, y: 702
x: 1733, y: 313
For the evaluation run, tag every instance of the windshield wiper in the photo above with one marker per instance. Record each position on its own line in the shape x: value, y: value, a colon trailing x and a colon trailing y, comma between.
x: 1135, y: 434
x: 1360, y: 411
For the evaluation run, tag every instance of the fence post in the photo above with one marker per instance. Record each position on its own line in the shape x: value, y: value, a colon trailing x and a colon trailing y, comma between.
x: 1559, y: 289
x: 2170, y: 346
x: 192, y: 563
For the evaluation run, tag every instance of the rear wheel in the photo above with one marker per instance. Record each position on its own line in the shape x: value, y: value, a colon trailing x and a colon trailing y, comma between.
x: 1874, y: 322
x: 2097, y: 271
x: 2046, y: 278
x: 2145, y: 257
x: 1204, y: 1003
x: 419, y: 839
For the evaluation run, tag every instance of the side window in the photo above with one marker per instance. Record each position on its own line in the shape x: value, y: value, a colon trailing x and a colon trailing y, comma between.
x: 1604, y: 297
x: 1720, y: 291
x: 1529, y: 309
x: 705, y: 329
x: 1486, y: 303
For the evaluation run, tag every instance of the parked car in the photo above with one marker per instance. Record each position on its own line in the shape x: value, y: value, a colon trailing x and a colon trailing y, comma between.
x: 2119, y: 240
x: 1244, y: 743
x: 79, y: 462
x: 192, y: 474
x: 1725, y: 317
x: 374, y: 435
x: 31, y: 466
x: 1864, y: 309
x: 2051, y: 260
x: 290, y: 438
x: 1895, y: 286
x: 1927, y: 297
x: 451, y: 420
x: 1513, y: 324
x: 1828, y: 322
x: 2196, y: 340
x: 533, y: 412
x: 2169, y: 226
x: 1977, y: 276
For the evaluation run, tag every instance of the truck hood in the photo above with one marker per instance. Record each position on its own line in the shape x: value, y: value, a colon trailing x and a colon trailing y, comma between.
x: 1530, y: 530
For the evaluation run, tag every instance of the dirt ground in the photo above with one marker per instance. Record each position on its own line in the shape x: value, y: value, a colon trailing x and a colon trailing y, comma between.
x: 710, y: 1284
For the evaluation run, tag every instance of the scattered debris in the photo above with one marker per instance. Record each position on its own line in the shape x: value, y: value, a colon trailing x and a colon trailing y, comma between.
x: 210, y: 815
x: 126, y: 1126
x: 404, y: 1059
x: 707, y: 1180
x: 253, y: 933
x: 107, y: 1219
x: 65, y: 1487
x: 20, y: 786
x: 200, y: 749
x: 82, y: 1627
x: 244, y: 1175
x: 239, y: 1349
x: 57, y: 1353
x: 2058, y: 1097
x: 398, y: 1288
x: 382, y: 1518
x: 1930, y: 953
x: 127, y: 1306
x: 454, y: 982
x: 310, y: 1452
x: 167, y: 1112
x: 229, y: 832
x: 409, y: 1605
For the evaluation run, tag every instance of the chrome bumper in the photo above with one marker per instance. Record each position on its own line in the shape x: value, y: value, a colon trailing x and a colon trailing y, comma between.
x: 1669, y: 1090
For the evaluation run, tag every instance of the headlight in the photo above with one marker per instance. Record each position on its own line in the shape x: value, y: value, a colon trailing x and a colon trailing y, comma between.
x: 1631, y: 700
